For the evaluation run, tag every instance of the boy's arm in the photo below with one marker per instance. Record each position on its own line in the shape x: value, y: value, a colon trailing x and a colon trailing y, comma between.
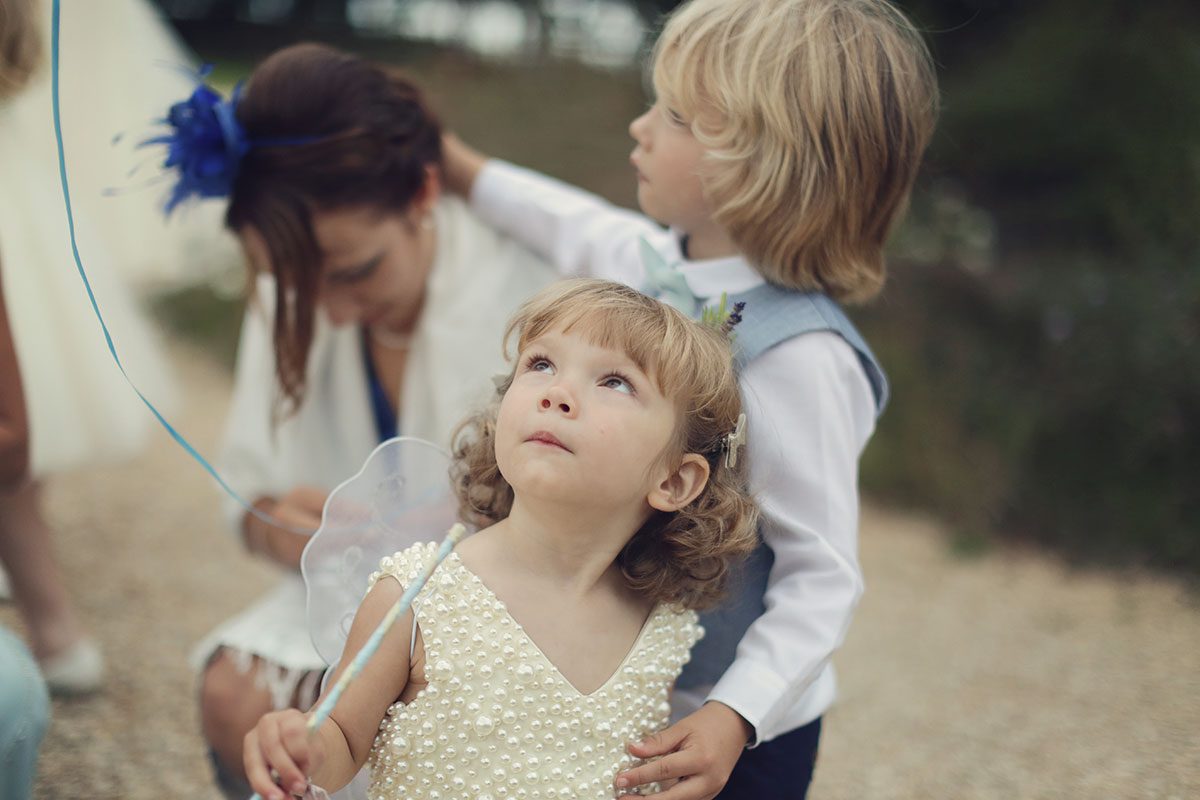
x: 578, y: 232
x: 14, y: 424
x: 811, y: 413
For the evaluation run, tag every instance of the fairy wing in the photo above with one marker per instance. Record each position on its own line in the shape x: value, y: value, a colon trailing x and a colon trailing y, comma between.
x: 401, y: 496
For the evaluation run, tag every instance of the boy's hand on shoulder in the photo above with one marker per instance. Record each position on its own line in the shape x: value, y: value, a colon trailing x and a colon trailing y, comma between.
x: 279, y: 752
x: 699, y: 751
x: 461, y: 164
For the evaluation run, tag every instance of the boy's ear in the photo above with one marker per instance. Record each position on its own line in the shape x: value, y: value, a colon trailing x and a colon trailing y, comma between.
x: 682, y: 486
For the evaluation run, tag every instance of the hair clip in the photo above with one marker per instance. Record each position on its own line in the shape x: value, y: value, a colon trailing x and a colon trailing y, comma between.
x: 734, y: 441
x: 723, y: 318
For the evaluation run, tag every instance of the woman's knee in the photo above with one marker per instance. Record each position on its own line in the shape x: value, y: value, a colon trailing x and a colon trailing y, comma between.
x: 229, y: 700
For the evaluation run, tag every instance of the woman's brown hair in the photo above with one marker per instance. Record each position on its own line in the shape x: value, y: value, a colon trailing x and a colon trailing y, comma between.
x: 327, y: 131
x: 20, y: 45
x: 683, y: 557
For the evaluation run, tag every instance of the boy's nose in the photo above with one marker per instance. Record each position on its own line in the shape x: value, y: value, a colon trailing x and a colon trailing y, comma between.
x: 638, y: 126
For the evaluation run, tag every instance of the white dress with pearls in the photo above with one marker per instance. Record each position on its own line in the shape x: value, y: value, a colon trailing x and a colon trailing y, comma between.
x: 497, y: 719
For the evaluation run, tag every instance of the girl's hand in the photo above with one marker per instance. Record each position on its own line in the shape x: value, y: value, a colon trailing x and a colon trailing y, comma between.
x: 280, y: 745
x: 698, y: 752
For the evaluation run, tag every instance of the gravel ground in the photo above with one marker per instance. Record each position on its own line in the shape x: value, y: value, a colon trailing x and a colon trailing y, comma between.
x: 1003, y: 676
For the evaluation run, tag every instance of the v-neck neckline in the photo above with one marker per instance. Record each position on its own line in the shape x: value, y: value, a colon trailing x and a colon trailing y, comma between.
x: 646, y: 626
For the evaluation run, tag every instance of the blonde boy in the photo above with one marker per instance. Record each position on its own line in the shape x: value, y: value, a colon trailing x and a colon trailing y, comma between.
x: 780, y: 152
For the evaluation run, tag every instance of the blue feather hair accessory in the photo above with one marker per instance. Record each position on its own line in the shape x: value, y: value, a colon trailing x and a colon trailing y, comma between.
x: 206, y: 144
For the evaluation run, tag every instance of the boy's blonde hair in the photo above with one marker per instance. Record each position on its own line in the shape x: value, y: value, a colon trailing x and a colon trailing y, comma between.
x: 20, y: 45
x: 682, y: 557
x: 815, y: 115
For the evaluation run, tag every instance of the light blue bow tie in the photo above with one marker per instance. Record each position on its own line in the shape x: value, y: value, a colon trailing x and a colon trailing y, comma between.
x: 666, y: 283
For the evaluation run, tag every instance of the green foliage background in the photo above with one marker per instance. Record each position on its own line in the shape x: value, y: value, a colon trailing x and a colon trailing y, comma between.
x: 1048, y: 384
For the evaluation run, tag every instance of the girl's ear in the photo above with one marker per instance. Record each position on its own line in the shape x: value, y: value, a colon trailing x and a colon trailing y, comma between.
x: 682, y: 486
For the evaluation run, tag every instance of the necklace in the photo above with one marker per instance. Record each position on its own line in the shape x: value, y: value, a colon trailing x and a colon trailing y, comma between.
x: 388, y: 340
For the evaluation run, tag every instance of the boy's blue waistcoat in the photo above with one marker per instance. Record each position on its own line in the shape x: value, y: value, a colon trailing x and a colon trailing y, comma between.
x: 771, y: 316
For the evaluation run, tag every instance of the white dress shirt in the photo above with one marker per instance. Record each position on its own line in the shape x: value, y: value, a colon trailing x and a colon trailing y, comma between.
x: 811, y: 411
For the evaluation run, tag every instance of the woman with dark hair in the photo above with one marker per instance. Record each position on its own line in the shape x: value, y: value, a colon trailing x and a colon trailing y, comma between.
x: 373, y: 295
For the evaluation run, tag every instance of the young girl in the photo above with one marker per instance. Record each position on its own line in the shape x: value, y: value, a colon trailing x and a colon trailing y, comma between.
x: 780, y: 152
x: 607, y: 474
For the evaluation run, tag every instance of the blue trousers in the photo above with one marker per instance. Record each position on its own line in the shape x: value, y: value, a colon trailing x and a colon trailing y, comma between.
x: 24, y: 715
x: 780, y: 769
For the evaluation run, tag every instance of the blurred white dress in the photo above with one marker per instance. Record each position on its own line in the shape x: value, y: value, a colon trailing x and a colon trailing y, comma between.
x: 81, y: 410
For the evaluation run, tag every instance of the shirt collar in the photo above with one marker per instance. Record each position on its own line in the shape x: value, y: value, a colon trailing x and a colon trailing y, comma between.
x: 709, y: 277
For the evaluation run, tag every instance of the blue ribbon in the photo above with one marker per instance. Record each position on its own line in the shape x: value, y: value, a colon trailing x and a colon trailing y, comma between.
x: 56, y: 13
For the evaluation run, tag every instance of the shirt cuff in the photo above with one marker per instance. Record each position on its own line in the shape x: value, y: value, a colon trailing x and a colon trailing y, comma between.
x: 493, y: 186
x: 752, y: 690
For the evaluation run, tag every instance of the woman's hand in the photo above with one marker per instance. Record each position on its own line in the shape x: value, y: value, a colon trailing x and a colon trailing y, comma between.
x: 460, y: 164
x: 698, y: 753
x: 297, y: 514
x: 279, y: 752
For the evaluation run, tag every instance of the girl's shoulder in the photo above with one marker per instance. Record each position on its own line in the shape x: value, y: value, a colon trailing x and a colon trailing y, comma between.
x: 671, y: 631
x: 404, y: 565
x: 673, y: 612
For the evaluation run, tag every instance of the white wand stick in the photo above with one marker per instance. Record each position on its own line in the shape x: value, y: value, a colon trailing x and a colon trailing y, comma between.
x: 322, y: 712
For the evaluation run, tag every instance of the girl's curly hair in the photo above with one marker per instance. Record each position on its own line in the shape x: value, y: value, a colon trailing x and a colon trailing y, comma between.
x: 683, y: 557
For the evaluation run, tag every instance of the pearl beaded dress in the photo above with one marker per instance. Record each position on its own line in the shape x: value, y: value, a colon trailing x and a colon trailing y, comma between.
x: 497, y: 719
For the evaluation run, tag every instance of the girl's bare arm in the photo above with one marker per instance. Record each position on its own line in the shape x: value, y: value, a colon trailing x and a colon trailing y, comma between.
x: 339, y: 749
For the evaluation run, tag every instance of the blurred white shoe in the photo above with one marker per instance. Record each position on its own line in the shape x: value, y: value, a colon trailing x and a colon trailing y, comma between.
x: 77, y: 670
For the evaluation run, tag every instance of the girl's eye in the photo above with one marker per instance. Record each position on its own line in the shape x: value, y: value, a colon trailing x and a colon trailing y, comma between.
x: 675, y: 118
x: 618, y: 383
x: 539, y: 364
